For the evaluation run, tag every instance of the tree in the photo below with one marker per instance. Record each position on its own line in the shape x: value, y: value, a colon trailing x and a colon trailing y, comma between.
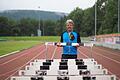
x: 27, y: 27
x: 76, y: 15
x: 60, y: 26
x: 108, y: 17
x: 87, y: 27
x: 49, y: 27
x: 4, y: 27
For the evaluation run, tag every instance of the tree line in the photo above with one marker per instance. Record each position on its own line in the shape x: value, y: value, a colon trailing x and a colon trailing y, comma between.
x: 107, y: 20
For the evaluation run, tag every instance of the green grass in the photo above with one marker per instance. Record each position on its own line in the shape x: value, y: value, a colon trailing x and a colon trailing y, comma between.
x: 26, y: 38
x: 10, y: 46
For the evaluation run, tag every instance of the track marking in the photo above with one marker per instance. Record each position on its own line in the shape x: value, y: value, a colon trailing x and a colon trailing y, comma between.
x: 25, y: 64
x: 83, y: 53
x: 107, y: 51
x: 54, y: 52
x: 108, y: 70
x: 9, y: 53
x: 112, y: 73
x: 59, y: 53
x: 107, y: 57
x: 16, y: 58
x: 18, y: 67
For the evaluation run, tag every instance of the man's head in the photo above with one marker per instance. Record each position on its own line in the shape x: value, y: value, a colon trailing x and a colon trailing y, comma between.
x: 69, y: 25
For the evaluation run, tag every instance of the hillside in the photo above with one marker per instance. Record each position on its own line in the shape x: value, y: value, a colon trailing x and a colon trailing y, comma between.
x: 34, y: 14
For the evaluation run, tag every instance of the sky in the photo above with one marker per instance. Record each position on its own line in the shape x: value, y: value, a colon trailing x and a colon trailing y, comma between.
x: 47, y: 5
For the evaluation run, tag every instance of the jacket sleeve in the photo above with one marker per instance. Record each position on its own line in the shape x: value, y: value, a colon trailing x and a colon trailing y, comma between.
x: 78, y: 38
x: 61, y: 40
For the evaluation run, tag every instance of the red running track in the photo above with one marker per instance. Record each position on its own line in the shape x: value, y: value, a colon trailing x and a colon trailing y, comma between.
x: 10, y: 65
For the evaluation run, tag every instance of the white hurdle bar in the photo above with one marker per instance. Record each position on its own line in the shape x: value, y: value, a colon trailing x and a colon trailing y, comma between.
x: 72, y: 44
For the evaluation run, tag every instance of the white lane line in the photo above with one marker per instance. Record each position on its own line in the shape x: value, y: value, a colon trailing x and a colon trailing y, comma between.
x: 107, y: 51
x: 10, y: 53
x: 106, y: 68
x: 107, y: 57
x: 83, y: 53
x: 17, y: 57
x: 26, y: 64
x: 54, y: 52
x: 18, y: 67
x: 112, y: 74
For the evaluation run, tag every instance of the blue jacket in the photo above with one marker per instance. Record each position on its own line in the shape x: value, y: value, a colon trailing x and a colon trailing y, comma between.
x: 72, y: 37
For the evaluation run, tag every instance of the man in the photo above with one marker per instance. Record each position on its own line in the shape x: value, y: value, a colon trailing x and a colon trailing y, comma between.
x: 69, y: 36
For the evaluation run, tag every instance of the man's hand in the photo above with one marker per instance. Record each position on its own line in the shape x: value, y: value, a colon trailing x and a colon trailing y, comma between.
x: 59, y: 45
x: 77, y: 45
x: 80, y: 44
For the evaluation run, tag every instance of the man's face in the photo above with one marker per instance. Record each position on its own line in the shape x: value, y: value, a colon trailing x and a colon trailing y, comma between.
x: 69, y: 27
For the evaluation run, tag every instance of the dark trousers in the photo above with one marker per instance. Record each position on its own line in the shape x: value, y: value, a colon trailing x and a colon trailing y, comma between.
x: 69, y: 56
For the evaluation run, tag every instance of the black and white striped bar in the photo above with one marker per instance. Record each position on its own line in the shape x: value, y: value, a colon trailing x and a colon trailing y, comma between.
x: 70, y: 44
x: 82, y: 77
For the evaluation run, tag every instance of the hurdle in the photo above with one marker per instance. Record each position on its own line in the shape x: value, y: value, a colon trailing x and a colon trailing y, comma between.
x: 64, y: 69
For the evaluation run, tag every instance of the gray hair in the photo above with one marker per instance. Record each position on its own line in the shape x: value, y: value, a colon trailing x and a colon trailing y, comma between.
x: 69, y: 21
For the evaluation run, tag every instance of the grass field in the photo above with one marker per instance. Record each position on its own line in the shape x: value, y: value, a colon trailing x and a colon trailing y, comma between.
x: 10, y: 44
x: 26, y: 38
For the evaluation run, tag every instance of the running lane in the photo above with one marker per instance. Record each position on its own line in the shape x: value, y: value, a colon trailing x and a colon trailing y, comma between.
x: 110, y: 59
x: 15, y: 62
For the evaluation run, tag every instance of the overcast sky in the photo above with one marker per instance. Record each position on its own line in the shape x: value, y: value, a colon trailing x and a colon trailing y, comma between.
x: 47, y: 5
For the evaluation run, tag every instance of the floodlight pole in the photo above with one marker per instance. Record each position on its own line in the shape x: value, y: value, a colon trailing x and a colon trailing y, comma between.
x: 95, y: 17
x: 39, y: 18
x: 39, y: 31
x: 118, y: 16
